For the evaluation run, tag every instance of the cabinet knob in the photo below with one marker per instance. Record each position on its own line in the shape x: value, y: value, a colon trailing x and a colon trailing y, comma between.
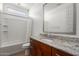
x: 57, y: 54
x: 31, y: 47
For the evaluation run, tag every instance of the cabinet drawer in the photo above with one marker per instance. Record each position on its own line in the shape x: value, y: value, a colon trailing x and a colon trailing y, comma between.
x: 35, y: 43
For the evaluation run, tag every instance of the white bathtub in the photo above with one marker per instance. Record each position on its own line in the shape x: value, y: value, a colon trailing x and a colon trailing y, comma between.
x: 10, y: 50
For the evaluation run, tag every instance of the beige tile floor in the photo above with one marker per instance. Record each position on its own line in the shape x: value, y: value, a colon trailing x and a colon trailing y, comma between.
x: 22, y: 53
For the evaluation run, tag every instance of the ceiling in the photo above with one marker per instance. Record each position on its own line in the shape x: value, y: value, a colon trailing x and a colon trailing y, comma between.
x: 46, y: 5
x: 27, y: 5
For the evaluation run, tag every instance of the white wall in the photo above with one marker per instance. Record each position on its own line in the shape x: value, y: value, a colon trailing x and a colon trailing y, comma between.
x: 77, y: 24
x: 36, y: 13
x: 29, y: 29
x: 1, y: 7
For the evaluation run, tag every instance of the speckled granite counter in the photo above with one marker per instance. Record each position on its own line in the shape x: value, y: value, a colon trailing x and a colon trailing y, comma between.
x: 70, y: 47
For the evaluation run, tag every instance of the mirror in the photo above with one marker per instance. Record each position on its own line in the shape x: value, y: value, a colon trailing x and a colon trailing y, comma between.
x: 60, y: 18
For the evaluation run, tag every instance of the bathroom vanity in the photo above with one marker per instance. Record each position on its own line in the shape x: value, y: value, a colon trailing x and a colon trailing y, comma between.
x: 60, y: 20
x: 41, y: 47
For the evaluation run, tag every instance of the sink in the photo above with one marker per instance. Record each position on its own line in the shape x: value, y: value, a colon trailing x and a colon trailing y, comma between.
x: 48, y: 40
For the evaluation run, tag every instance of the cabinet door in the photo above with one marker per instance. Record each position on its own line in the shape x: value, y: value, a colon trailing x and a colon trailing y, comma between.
x: 53, y: 52
x: 35, y: 48
x: 45, y: 49
x: 35, y: 51
x: 32, y: 50
x: 40, y: 49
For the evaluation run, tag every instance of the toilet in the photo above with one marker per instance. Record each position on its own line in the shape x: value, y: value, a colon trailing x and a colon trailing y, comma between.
x: 27, y: 50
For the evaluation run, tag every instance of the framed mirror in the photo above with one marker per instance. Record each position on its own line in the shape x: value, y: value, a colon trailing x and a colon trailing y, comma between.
x: 60, y: 18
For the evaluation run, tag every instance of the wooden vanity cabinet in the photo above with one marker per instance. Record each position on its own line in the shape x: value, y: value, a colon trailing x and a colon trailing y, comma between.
x: 61, y: 53
x: 41, y: 49
x: 35, y: 48
x: 45, y: 49
x: 58, y: 52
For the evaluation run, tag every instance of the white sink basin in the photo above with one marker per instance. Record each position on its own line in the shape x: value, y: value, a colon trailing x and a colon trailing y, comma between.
x: 48, y: 40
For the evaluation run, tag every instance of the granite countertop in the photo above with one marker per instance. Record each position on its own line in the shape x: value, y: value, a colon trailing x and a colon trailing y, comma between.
x: 70, y: 47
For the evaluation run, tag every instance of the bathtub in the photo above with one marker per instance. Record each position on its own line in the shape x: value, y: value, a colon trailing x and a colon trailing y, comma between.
x: 10, y: 50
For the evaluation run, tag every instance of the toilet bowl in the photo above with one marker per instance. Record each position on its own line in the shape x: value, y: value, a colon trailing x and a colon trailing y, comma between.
x: 27, y: 48
x: 26, y: 45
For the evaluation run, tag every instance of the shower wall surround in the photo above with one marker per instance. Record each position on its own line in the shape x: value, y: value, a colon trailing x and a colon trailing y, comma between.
x: 13, y: 29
